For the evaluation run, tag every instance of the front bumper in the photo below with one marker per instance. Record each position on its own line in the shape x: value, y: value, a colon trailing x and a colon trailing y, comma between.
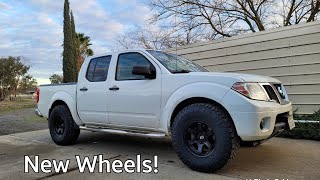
x: 38, y: 113
x: 253, y: 126
x: 257, y: 120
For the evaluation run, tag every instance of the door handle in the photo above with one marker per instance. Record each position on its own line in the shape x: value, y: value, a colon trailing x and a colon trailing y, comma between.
x: 84, y: 89
x: 114, y: 88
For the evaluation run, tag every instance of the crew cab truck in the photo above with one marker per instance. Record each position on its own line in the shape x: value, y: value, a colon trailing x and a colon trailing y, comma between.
x: 156, y: 94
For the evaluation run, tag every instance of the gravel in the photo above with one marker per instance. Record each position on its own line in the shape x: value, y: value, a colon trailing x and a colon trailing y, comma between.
x: 22, y: 120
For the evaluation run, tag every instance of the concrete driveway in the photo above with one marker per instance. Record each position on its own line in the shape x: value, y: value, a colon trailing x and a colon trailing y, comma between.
x: 279, y: 158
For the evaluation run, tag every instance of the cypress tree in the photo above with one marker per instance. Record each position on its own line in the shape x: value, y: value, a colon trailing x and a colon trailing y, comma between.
x: 68, y: 58
x: 75, y: 46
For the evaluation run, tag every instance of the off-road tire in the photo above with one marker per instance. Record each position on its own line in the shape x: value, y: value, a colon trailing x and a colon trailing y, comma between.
x: 71, y: 131
x: 226, y: 139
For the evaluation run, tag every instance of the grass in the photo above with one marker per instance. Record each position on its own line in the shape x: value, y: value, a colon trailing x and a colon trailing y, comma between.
x: 34, y: 119
x: 18, y: 116
x: 7, y: 105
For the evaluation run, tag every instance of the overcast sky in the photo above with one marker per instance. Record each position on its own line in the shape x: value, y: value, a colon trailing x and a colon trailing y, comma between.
x: 34, y: 28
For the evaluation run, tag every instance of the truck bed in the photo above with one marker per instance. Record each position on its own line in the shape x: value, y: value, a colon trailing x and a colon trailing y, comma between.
x: 50, y: 91
x: 61, y: 84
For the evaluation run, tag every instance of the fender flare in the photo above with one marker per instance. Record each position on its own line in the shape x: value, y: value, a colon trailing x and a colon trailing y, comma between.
x: 69, y: 101
x: 213, y: 91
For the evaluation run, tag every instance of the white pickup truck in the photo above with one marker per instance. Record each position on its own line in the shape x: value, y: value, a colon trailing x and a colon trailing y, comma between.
x: 156, y: 94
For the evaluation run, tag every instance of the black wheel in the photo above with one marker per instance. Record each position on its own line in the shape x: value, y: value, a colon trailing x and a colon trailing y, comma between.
x: 62, y: 128
x: 199, y: 138
x: 204, y: 137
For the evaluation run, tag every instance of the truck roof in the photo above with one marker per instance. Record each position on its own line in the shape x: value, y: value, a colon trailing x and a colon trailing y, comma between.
x: 120, y: 51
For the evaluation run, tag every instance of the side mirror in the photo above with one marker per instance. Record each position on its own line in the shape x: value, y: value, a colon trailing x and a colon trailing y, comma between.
x: 149, y: 73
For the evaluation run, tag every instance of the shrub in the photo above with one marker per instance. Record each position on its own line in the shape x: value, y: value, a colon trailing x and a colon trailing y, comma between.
x: 303, y: 131
x: 312, y: 117
x: 307, y: 130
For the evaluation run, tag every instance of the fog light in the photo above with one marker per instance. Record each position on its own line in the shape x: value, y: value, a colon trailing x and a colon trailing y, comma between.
x: 265, y: 123
x: 261, y: 124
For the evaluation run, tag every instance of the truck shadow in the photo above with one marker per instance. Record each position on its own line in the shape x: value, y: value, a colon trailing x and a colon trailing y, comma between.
x: 250, y: 162
x: 129, y: 146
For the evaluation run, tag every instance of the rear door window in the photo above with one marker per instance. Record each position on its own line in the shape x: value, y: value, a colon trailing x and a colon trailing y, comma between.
x: 98, y: 69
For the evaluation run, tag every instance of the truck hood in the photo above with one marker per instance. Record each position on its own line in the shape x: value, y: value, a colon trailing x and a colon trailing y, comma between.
x: 236, y: 77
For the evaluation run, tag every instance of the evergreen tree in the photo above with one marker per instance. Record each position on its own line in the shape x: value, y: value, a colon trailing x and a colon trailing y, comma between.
x: 75, y: 50
x: 68, y: 43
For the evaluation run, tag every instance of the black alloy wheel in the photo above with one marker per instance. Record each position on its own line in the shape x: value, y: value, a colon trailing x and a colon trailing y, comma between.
x: 63, y: 129
x: 204, y: 137
x: 59, y: 125
x: 200, y: 138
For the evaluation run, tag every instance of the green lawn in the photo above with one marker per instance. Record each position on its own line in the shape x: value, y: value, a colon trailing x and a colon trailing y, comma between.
x: 7, y: 106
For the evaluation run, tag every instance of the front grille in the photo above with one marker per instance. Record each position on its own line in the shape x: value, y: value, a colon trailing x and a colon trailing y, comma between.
x: 276, y: 92
x: 280, y: 90
x: 272, y: 95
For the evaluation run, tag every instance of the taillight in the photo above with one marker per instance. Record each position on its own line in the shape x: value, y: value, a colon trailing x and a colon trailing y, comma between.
x: 38, y: 95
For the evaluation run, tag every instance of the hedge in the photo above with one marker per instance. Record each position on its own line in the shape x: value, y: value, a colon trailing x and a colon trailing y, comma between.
x: 308, y: 130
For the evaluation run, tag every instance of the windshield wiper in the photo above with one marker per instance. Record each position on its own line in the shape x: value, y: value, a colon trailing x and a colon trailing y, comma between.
x: 181, y: 71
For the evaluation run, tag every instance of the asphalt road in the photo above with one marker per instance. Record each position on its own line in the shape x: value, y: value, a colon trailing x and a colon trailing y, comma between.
x: 279, y: 158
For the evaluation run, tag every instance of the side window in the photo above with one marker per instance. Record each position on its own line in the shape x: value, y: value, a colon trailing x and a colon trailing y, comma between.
x: 101, y: 70
x: 98, y: 69
x: 126, y: 62
x: 90, y: 71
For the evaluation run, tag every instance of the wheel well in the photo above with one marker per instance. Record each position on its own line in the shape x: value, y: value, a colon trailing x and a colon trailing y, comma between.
x: 56, y: 103
x: 194, y: 100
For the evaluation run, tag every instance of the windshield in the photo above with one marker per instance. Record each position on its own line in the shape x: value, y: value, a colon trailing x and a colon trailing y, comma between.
x: 176, y: 64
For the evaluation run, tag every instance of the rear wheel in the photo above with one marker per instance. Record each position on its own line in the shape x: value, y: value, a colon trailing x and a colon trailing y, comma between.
x: 204, y: 137
x: 62, y: 128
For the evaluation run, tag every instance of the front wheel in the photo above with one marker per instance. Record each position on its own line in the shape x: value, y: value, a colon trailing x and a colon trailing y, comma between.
x: 62, y: 128
x: 204, y: 137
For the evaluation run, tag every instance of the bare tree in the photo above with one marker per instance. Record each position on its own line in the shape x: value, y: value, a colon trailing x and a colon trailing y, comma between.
x: 143, y: 37
x: 154, y: 37
x: 182, y: 22
x: 225, y: 18
x: 296, y: 11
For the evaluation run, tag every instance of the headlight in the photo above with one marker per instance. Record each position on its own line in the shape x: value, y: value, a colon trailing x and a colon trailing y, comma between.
x: 251, y: 90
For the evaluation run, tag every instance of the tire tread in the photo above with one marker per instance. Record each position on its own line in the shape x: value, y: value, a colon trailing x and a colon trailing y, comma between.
x: 212, y: 110
x: 73, y: 132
